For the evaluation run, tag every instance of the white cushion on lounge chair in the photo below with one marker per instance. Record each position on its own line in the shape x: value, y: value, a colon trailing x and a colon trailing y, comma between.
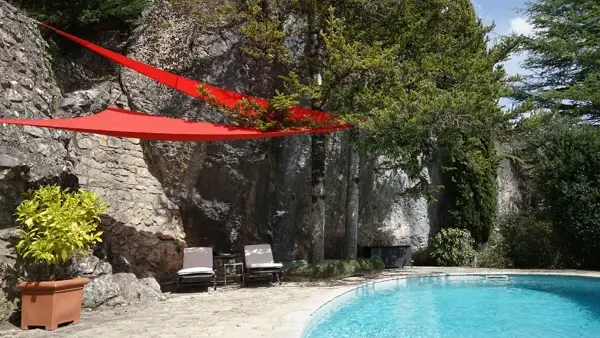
x: 260, y: 256
x: 194, y: 271
x: 266, y: 265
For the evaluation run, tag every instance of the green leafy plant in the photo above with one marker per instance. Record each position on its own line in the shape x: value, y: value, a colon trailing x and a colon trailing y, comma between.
x: 57, y: 223
x: 453, y: 247
x: 495, y: 254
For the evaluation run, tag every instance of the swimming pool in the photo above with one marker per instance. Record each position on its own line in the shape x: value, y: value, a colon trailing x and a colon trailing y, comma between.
x: 464, y: 306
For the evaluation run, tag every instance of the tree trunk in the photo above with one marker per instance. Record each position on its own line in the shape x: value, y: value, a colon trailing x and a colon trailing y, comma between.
x: 318, y: 144
x: 352, y: 200
x: 317, y: 214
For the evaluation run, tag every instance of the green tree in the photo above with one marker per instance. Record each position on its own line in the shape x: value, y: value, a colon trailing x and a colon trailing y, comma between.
x: 564, y: 57
x: 414, y: 77
x: 470, y: 182
x: 412, y: 89
x: 566, y: 176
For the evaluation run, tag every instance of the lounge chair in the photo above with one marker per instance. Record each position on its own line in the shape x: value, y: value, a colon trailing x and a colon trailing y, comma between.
x: 260, y: 264
x: 197, y: 268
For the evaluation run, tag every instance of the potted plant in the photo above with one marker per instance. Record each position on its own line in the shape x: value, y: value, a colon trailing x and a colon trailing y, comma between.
x: 55, y: 224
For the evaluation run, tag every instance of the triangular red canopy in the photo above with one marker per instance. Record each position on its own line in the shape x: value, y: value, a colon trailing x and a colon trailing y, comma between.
x: 124, y: 123
x: 227, y: 97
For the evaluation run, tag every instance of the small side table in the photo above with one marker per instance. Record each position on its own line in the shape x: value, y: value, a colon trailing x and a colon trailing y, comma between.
x: 234, y: 267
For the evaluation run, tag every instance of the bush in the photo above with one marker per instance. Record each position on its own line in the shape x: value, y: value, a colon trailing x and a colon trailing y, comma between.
x: 524, y: 242
x: 495, y: 254
x: 530, y: 243
x: 453, y: 247
x: 338, y: 269
x: 566, y: 173
x: 57, y: 223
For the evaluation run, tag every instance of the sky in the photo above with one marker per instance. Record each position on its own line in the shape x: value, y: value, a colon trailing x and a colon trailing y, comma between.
x: 507, y: 17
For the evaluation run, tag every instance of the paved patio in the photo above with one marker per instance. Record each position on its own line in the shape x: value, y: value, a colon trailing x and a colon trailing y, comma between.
x: 228, y: 312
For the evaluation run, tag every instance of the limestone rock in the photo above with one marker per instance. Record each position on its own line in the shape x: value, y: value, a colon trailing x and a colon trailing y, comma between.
x: 99, y: 291
x: 13, y: 95
x: 107, y: 289
x: 90, y: 266
x: 134, y: 290
x: 8, y: 306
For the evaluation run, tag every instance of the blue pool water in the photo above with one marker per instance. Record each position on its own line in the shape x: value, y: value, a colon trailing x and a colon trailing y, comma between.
x: 464, y: 306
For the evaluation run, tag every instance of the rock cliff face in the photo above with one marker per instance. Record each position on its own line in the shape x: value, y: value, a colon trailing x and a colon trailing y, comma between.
x: 232, y: 193
x: 166, y: 195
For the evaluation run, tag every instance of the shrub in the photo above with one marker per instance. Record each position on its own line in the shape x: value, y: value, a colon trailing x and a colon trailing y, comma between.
x: 530, y: 243
x: 57, y: 223
x: 523, y: 242
x: 566, y: 173
x: 453, y: 247
x: 494, y: 255
x: 338, y: 269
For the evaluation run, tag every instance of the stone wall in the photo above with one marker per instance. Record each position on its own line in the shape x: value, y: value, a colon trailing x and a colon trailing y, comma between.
x: 30, y: 87
x: 143, y: 227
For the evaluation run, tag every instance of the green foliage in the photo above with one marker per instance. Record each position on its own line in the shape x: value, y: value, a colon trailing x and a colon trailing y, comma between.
x: 338, y: 269
x: 57, y: 223
x: 79, y: 13
x: 276, y: 116
x: 530, y: 243
x: 494, y: 255
x: 453, y: 247
x: 561, y: 152
x: 407, y: 74
x: 470, y: 184
x: 264, y: 35
x: 563, y: 55
x: 524, y: 242
x: 567, y: 180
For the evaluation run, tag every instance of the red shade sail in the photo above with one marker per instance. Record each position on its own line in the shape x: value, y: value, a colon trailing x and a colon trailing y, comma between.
x: 124, y: 123
x: 226, y: 97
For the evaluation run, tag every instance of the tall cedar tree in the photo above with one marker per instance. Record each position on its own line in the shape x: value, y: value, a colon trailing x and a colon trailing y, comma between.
x: 564, y: 55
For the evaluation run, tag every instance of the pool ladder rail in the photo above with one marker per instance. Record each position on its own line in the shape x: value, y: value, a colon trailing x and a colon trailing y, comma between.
x: 496, y: 277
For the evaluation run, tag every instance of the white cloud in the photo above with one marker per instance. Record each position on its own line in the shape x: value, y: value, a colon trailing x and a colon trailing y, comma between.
x: 520, y: 25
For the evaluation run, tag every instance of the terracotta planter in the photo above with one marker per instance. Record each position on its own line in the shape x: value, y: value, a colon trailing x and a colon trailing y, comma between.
x: 49, y: 304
